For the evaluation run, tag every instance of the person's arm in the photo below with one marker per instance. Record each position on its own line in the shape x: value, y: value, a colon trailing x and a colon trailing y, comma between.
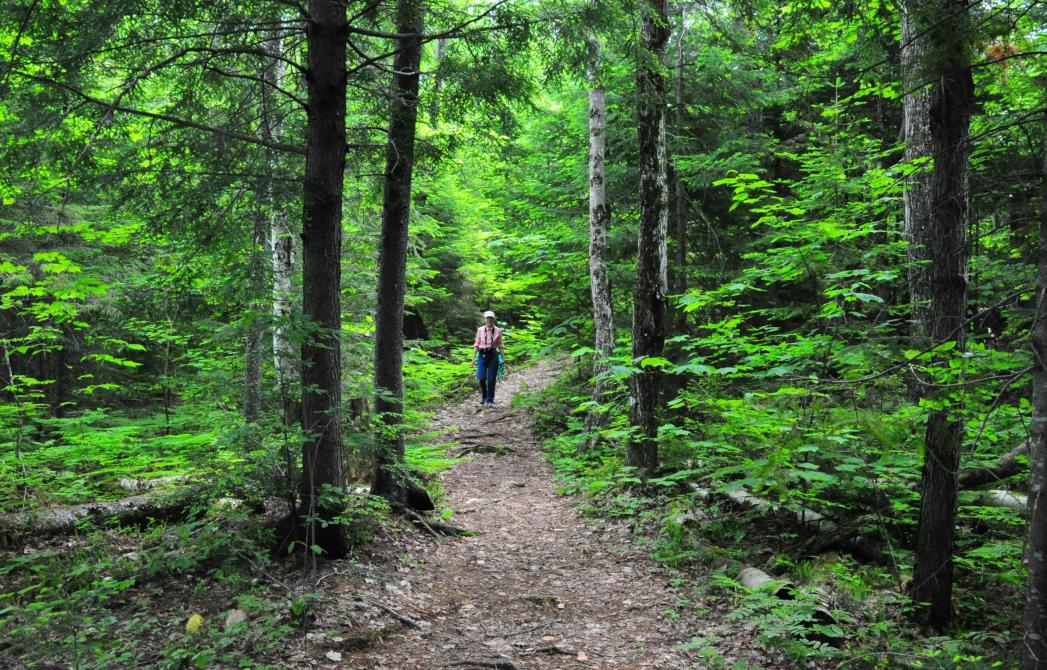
x: 476, y: 347
x: 501, y: 345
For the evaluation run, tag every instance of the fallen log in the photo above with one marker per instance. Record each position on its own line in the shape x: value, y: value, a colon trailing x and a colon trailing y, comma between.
x: 139, y: 485
x: 131, y: 511
x: 823, y: 533
x: 1008, y: 466
x: 815, y: 521
x: 995, y: 498
x: 754, y: 579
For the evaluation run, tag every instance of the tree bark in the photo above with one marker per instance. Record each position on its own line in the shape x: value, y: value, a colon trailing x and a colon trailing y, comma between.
x: 281, y: 242
x: 916, y: 106
x: 322, y: 460
x: 946, y: 69
x: 390, y: 480
x: 649, y: 301
x: 252, y: 409
x: 1034, y: 635
x: 679, y: 274
x: 599, y: 222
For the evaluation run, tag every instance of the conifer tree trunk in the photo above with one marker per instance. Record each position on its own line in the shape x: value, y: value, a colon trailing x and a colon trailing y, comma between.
x: 321, y: 271
x: 946, y: 70
x: 392, y: 265
x: 599, y: 222
x: 649, y: 301
x: 1034, y: 637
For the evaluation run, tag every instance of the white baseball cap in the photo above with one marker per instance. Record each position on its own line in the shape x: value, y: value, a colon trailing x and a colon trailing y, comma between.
x: 488, y: 313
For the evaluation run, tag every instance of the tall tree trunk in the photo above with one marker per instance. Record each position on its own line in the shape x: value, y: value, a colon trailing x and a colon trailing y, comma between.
x: 438, y: 85
x: 389, y: 480
x: 1034, y: 638
x: 599, y: 222
x: 322, y: 459
x: 678, y: 285
x: 649, y: 301
x: 252, y: 408
x: 281, y: 241
x: 916, y: 114
x: 946, y: 69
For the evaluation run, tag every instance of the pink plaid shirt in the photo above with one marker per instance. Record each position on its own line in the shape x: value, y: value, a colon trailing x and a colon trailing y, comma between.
x: 488, y: 338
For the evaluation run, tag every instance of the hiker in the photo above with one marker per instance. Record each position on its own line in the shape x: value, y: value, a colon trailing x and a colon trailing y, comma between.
x: 488, y: 353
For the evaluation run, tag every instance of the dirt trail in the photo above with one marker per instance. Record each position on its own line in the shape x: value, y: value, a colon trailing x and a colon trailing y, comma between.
x: 537, y: 587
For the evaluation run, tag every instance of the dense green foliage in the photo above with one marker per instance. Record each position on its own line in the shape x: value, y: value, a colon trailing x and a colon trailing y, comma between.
x: 125, y: 295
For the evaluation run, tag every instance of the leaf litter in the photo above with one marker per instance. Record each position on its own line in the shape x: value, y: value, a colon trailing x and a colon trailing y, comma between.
x: 536, y: 587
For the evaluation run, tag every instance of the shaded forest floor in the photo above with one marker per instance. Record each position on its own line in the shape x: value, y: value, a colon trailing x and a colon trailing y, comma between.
x: 537, y: 586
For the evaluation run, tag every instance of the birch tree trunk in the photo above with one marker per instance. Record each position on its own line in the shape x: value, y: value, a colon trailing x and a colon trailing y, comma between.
x: 679, y: 275
x: 389, y: 480
x: 649, y: 301
x: 252, y: 409
x: 1034, y: 637
x: 322, y: 462
x: 281, y: 243
x: 599, y: 222
x: 945, y: 68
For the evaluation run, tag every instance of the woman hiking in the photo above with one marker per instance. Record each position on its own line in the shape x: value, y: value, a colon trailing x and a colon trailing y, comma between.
x: 488, y: 352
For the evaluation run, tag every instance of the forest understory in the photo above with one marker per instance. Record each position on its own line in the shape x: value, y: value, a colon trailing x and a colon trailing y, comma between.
x: 534, y: 584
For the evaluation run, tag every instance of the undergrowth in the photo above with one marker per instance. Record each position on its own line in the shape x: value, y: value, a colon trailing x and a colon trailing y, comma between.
x: 800, y: 451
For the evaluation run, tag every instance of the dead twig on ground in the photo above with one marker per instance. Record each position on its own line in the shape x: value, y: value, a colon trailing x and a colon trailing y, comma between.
x: 496, y: 665
x: 391, y: 612
x: 337, y: 573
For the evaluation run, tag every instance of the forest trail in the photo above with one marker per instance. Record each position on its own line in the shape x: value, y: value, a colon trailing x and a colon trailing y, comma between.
x: 537, y: 587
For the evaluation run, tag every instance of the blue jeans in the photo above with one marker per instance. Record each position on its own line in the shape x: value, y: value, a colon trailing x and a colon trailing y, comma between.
x: 487, y: 373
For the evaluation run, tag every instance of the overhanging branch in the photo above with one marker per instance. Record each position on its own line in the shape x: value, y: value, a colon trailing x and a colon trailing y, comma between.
x: 161, y: 116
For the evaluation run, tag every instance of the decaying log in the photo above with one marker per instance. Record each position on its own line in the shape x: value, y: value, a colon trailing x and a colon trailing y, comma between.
x: 754, y: 579
x: 995, y: 498
x: 814, y: 521
x: 824, y: 534
x: 1007, y: 466
x: 138, y: 485
x: 134, y: 510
